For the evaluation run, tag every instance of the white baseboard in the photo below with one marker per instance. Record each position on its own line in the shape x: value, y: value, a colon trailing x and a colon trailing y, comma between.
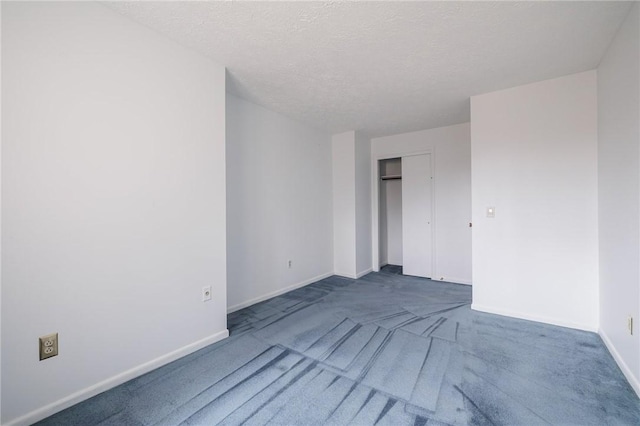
x: 264, y: 297
x: 74, y: 398
x: 633, y: 380
x: 454, y: 280
x: 545, y: 320
x: 363, y: 273
x: 352, y: 276
x: 345, y: 275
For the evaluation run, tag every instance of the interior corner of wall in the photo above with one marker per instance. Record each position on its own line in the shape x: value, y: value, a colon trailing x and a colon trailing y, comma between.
x: 634, y: 380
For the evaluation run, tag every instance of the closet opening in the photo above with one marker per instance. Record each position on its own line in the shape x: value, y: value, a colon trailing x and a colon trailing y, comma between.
x: 405, y: 215
x: 390, y: 213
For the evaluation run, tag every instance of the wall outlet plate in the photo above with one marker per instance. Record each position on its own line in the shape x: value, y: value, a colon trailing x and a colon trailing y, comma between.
x: 206, y: 293
x: 48, y: 346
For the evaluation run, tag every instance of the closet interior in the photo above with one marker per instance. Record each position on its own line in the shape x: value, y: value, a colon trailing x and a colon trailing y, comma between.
x: 390, y: 212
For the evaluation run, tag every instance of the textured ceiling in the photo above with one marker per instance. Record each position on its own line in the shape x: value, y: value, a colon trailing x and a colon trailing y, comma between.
x: 384, y: 67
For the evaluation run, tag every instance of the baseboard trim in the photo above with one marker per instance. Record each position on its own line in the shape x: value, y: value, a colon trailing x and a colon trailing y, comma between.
x: 74, y: 398
x: 454, y: 280
x: 264, y: 297
x: 544, y: 320
x: 345, y: 275
x: 633, y: 380
x: 363, y: 273
x: 353, y: 276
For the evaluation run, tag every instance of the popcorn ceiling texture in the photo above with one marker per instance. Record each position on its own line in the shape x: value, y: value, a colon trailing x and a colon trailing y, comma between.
x: 384, y: 67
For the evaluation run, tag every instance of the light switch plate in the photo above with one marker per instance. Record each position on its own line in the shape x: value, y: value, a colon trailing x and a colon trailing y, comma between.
x: 491, y: 212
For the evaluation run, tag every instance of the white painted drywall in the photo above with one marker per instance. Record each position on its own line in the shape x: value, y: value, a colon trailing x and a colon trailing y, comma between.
x: 113, y: 202
x: 344, y: 204
x: 534, y: 158
x: 619, y: 194
x: 450, y: 147
x: 363, y: 203
x: 393, y: 206
x: 351, y: 164
x: 278, y: 203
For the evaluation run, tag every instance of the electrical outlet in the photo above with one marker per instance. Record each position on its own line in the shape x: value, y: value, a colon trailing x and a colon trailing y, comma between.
x: 630, y: 324
x: 48, y: 346
x: 289, y: 264
x: 206, y: 293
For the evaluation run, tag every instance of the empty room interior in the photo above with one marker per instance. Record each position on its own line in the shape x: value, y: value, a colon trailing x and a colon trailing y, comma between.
x: 288, y: 213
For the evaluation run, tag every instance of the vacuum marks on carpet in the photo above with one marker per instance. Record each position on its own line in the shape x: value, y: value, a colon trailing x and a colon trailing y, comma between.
x: 386, y: 349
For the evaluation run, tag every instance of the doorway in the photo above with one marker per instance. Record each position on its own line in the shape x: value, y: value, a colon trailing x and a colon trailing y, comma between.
x: 390, y: 212
x: 405, y: 214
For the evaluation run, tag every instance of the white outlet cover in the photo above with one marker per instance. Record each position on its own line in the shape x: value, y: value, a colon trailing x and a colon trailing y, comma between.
x: 491, y: 212
x: 206, y: 293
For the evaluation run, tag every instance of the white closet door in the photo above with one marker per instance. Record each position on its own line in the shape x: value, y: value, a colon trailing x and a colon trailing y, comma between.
x: 416, y: 215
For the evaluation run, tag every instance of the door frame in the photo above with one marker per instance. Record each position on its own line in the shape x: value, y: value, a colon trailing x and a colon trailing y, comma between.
x: 375, y: 205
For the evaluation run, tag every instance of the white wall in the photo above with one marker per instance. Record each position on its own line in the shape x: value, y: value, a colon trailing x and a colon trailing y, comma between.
x: 344, y: 204
x: 450, y: 147
x: 363, y: 203
x: 534, y: 158
x: 619, y: 195
x: 393, y: 210
x: 351, y: 204
x: 278, y: 203
x: 113, y: 202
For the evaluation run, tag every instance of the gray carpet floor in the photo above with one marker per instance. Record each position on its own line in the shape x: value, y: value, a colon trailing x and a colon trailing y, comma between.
x: 386, y: 349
